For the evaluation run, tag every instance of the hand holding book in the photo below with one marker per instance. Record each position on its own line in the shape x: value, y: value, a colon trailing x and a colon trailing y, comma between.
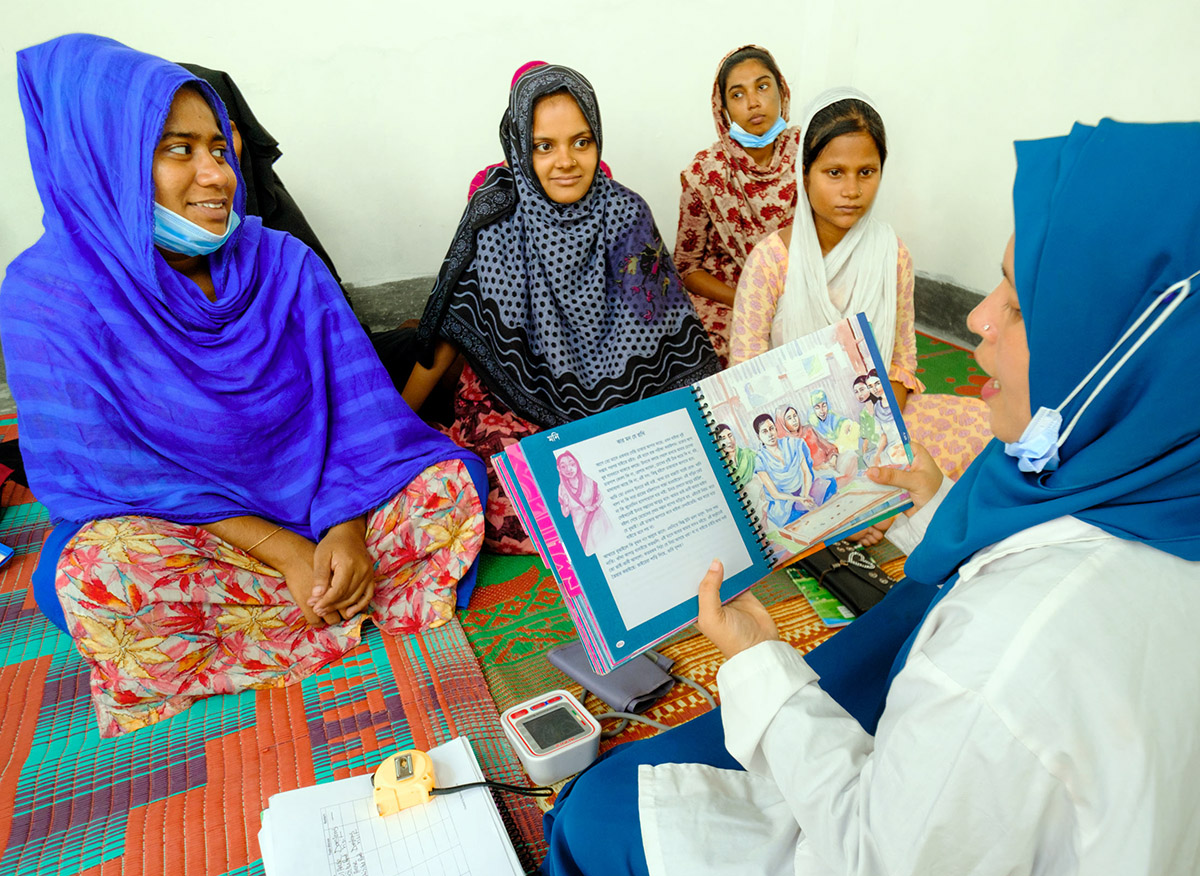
x: 739, y: 624
x: 921, y: 479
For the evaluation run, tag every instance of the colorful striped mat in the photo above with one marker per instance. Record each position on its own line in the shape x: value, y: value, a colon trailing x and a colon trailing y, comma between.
x: 517, y: 615
x: 184, y: 796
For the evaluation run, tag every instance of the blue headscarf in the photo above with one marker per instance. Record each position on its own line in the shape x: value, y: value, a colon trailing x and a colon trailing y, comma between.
x: 135, y: 393
x: 1096, y: 243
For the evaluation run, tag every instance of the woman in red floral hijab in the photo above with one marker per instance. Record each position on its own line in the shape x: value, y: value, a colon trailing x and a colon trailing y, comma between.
x: 740, y: 188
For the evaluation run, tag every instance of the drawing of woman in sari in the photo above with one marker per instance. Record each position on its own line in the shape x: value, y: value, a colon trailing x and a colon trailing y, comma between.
x: 580, y: 499
x: 868, y: 430
x: 884, y: 416
x: 826, y: 456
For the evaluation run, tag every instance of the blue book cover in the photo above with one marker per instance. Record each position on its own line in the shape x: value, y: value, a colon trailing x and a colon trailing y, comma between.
x: 755, y: 466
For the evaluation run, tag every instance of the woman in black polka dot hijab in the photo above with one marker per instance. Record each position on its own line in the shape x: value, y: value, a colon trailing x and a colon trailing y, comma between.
x: 557, y: 287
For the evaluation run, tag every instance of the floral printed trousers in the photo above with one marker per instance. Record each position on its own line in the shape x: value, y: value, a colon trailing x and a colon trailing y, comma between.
x: 166, y: 614
x: 485, y: 426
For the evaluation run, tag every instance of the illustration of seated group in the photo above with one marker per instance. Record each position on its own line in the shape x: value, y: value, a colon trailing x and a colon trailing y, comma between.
x: 301, y: 459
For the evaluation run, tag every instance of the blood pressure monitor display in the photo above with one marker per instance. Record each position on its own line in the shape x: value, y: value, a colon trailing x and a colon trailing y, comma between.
x: 553, y: 735
x: 551, y: 727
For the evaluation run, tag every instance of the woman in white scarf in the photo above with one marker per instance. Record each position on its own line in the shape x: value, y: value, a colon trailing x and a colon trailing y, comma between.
x: 838, y: 259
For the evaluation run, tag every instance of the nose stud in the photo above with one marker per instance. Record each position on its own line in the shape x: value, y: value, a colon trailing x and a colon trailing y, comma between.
x: 986, y: 327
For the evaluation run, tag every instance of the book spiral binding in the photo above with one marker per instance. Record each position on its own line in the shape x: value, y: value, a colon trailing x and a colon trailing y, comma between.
x: 756, y: 525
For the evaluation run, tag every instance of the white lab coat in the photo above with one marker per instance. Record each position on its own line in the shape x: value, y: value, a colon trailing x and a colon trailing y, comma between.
x: 1047, y: 721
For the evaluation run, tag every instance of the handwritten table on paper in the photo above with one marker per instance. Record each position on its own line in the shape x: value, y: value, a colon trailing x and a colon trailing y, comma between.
x: 333, y: 829
x: 360, y: 843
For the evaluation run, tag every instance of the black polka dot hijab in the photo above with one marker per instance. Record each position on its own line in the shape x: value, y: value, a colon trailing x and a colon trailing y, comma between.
x: 564, y: 310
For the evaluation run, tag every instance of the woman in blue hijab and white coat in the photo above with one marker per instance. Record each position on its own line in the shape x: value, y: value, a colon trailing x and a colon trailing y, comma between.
x: 235, y: 482
x: 1041, y: 717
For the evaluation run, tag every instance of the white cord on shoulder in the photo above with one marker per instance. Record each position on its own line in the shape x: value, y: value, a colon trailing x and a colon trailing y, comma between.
x: 1184, y: 288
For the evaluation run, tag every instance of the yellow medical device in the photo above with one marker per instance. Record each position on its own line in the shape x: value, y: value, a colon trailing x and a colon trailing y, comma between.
x: 403, y: 780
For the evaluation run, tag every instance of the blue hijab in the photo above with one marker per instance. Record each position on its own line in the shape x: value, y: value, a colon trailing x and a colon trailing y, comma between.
x: 135, y: 393
x: 1096, y: 243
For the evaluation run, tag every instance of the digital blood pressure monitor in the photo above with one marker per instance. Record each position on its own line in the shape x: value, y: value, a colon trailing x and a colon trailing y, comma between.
x: 554, y: 736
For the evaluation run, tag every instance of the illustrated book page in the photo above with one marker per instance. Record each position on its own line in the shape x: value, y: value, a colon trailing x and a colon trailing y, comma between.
x: 629, y: 507
x: 799, y: 426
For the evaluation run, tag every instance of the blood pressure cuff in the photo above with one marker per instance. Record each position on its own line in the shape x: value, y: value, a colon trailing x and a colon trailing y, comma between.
x: 634, y: 686
x: 847, y: 572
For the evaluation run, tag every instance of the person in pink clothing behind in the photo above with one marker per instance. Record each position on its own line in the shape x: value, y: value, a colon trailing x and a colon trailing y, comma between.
x: 836, y: 260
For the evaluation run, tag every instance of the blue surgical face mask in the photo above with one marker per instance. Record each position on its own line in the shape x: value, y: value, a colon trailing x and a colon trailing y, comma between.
x: 175, y: 234
x: 750, y: 141
x: 1037, y: 448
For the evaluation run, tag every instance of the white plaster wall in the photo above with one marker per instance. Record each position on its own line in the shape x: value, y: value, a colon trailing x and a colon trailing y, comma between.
x: 386, y: 109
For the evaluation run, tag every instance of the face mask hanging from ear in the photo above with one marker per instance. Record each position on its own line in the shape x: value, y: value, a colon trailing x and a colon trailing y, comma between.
x: 1037, y: 448
x: 751, y: 141
x: 175, y: 234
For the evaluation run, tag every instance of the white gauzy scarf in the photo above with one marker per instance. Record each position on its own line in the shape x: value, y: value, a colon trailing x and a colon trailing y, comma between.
x: 859, y: 274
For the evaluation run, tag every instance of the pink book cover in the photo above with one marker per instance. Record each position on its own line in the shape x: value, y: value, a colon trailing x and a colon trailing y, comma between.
x: 553, y: 553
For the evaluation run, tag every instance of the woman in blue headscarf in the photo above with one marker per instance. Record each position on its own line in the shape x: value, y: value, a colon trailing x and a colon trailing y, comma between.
x: 235, y: 481
x: 1041, y: 717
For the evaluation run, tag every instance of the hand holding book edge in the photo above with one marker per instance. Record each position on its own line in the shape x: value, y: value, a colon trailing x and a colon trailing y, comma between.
x: 921, y: 478
x: 741, y: 623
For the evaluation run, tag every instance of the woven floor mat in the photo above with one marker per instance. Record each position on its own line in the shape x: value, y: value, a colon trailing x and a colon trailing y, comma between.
x: 184, y: 796
x: 698, y: 659
x: 946, y: 369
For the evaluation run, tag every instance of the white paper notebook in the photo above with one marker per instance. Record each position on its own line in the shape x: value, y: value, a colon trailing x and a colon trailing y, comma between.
x: 333, y: 829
